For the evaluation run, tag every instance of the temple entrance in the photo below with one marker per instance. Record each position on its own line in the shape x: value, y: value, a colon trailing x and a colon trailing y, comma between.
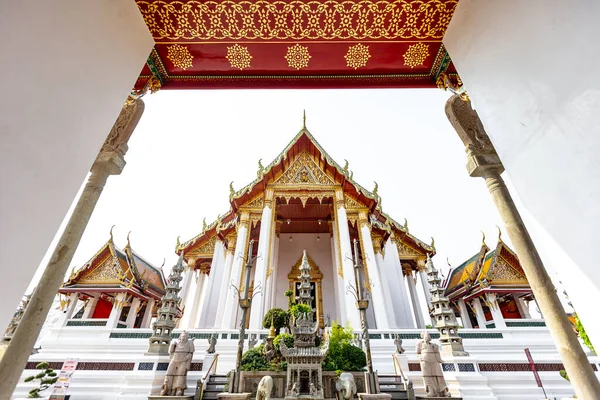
x: 304, y: 383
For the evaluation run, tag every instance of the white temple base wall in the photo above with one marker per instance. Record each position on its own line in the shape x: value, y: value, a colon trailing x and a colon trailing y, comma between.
x: 114, y: 365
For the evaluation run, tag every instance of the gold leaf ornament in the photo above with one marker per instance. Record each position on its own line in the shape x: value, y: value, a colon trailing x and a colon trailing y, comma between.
x: 238, y: 56
x: 297, y: 56
x: 416, y: 54
x: 357, y: 56
x: 180, y: 56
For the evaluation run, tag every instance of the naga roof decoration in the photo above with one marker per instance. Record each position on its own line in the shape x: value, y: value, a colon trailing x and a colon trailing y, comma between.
x: 301, y: 170
x: 498, y: 269
x: 207, y: 44
x: 118, y: 270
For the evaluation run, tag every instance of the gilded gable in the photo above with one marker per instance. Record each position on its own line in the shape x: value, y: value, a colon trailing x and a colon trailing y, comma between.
x: 304, y: 171
x: 106, y: 272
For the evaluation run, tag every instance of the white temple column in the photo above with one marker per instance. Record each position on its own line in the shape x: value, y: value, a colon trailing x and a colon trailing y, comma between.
x: 226, y: 281
x: 188, y: 277
x: 338, y: 281
x: 387, y: 295
x: 414, y: 298
x: 148, y: 314
x: 260, y: 274
x: 133, y: 309
x: 464, y: 314
x: 70, y: 308
x: 351, y: 312
x: 210, y: 297
x: 188, y: 298
x: 379, y: 303
x: 522, y: 306
x: 274, y: 266
x: 115, y: 313
x: 395, y: 280
x: 479, y: 314
x: 194, y: 307
x: 495, y: 310
x: 424, y: 282
x: 231, y: 301
x: 90, y: 307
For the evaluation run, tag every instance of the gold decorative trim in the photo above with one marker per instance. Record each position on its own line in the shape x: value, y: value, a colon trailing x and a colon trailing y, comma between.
x: 296, y: 20
x: 357, y: 56
x: 416, y: 54
x: 304, y: 171
x: 180, y: 56
x: 238, y: 56
x: 297, y: 56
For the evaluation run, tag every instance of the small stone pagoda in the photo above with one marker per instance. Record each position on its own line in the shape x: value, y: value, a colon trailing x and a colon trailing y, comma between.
x: 304, y: 371
x: 168, y: 312
x: 443, y: 315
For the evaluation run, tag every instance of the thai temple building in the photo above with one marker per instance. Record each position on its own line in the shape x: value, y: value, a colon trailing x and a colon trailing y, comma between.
x: 490, y: 290
x: 302, y: 204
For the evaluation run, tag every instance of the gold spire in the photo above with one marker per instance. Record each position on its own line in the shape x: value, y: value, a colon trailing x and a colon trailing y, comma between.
x: 304, y: 120
x: 483, y: 239
x: 272, y: 330
x: 128, y: 243
x: 177, y: 244
x: 111, y: 233
x: 499, y: 233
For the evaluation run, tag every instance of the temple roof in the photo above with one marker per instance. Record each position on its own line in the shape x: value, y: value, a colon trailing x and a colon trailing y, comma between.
x: 116, y: 270
x: 207, y: 44
x: 498, y: 269
x: 303, y: 168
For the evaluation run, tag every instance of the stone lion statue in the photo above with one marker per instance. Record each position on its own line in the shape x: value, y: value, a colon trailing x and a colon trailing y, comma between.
x: 265, y: 387
x: 345, y: 386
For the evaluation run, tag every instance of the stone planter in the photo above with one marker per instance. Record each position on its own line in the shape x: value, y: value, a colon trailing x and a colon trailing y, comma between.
x: 249, y: 382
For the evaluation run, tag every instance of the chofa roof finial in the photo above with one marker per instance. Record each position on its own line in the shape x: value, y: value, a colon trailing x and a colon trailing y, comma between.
x: 304, y: 119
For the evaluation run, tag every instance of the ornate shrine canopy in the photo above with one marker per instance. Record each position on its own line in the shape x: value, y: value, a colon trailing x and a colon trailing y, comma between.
x: 498, y: 270
x: 304, y: 180
x: 114, y: 270
x: 216, y: 44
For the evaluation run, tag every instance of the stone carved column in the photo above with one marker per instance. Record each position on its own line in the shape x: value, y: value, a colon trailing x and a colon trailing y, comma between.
x: 483, y: 161
x: 110, y: 161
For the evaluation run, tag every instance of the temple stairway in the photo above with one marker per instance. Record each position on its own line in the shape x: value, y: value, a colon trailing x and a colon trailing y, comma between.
x: 393, y: 385
x: 215, y: 385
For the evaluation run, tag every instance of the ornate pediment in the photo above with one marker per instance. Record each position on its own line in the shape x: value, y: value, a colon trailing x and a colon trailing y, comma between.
x: 406, y: 250
x: 503, y: 272
x: 257, y: 202
x: 108, y: 271
x: 350, y: 203
x: 205, y: 250
x: 304, y: 171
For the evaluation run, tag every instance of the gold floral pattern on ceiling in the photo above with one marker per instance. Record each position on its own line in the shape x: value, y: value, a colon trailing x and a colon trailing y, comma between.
x: 180, y: 56
x: 416, y: 54
x: 277, y: 19
x: 357, y: 56
x: 238, y: 56
x: 297, y: 56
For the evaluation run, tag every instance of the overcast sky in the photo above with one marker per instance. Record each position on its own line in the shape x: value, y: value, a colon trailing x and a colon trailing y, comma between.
x: 189, y: 145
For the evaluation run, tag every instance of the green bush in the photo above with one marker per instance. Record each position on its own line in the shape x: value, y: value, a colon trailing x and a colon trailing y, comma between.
x: 290, y: 295
x: 254, y: 360
x: 279, y: 318
x: 47, y: 378
x: 584, y: 337
x: 342, y: 355
x: 298, y: 309
x: 287, y: 339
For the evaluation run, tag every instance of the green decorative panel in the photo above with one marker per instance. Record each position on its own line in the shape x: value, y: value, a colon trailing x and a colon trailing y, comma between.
x: 86, y: 323
x: 130, y: 335
x: 525, y: 324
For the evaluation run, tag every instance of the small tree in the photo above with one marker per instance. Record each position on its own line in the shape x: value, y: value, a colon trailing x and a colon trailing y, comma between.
x: 342, y: 355
x: 290, y: 295
x: 47, y: 378
x: 278, y: 316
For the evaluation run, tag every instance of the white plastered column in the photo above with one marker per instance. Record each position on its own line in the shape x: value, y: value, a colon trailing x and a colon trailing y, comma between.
x: 275, y: 273
x: 370, y: 262
x: 479, y: 314
x: 115, y: 313
x: 338, y: 280
x: 226, y: 281
x: 209, y: 300
x: 464, y: 314
x: 351, y: 312
x: 522, y: 306
x: 90, y: 307
x: 260, y: 274
x: 395, y: 280
x: 133, y: 309
x: 188, y: 297
x: 416, y: 305
x: 424, y: 282
x: 495, y: 310
x: 231, y: 301
x: 148, y: 314
x: 187, y: 282
x: 386, y: 288
x: 68, y: 313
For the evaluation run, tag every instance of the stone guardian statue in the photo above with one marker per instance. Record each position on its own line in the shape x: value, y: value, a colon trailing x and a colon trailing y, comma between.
x: 212, y: 343
x: 431, y: 367
x: 265, y: 387
x: 345, y: 386
x: 181, y: 351
x: 398, y: 343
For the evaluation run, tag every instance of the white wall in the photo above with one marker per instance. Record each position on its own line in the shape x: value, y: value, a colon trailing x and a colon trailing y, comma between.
x: 528, y: 67
x: 67, y: 69
x: 320, y: 252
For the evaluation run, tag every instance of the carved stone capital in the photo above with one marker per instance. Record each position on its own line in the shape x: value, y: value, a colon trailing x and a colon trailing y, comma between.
x: 191, y: 263
x: 244, y: 219
x: 481, y: 154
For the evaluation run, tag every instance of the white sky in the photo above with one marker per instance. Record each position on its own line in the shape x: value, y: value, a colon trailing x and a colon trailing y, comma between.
x: 190, y: 144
